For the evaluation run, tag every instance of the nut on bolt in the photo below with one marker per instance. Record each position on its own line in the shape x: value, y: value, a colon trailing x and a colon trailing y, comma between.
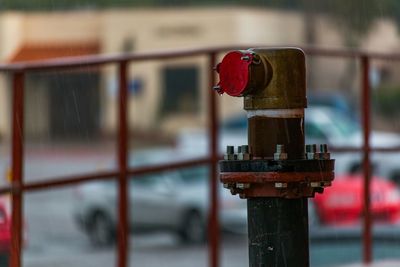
x: 243, y: 152
x: 311, y: 151
x: 246, y: 152
x: 326, y: 184
x: 239, y: 154
x: 321, y: 184
x: 228, y: 185
x: 242, y: 185
x: 323, y: 148
x: 280, y: 153
x: 230, y: 153
x: 280, y: 185
x: 315, y: 184
x: 324, y: 154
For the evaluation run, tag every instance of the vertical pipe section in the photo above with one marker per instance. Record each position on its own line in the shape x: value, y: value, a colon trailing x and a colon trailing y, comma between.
x: 213, y: 224
x: 366, y: 117
x: 17, y: 168
x: 278, y: 232
x: 277, y: 227
x: 123, y: 225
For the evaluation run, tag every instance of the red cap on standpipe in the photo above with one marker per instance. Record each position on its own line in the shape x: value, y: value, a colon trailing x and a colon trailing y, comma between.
x: 234, y: 73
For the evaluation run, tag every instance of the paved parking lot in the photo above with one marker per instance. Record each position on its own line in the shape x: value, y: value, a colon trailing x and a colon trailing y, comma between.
x: 54, y: 240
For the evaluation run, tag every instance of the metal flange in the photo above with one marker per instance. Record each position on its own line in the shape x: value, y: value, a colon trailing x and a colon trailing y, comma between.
x: 277, y: 178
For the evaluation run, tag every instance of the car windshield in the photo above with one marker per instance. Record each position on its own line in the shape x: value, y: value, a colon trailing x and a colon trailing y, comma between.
x: 235, y: 123
x: 146, y: 179
x: 346, y: 126
x: 329, y: 121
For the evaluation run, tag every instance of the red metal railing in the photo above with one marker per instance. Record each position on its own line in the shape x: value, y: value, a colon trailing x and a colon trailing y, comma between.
x: 18, y: 187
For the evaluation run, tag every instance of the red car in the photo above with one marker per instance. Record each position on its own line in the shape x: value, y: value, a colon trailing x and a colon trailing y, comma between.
x: 342, y: 204
x: 5, y: 230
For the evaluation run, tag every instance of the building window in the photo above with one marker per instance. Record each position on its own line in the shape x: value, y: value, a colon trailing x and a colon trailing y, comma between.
x: 180, y: 91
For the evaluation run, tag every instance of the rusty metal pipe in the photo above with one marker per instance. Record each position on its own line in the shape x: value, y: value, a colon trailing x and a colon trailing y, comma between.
x: 278, y: 227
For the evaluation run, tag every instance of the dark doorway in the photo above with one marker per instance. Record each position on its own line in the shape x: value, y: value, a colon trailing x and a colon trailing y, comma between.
x: 74, y: 105
x: 181, y: 90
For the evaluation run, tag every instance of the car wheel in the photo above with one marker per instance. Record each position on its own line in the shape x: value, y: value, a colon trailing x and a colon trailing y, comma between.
x: 193, y: 228
x: 395, y: 177
x: 101, y: 231
x: 4, y: 259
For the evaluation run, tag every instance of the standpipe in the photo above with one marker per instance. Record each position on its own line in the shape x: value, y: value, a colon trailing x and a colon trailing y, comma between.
x: 276, y: 172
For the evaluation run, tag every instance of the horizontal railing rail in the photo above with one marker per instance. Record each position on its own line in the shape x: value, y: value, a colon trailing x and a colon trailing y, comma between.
x: 97, y: 60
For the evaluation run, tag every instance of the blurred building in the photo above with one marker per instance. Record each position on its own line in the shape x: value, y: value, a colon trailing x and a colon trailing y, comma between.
x: 164, y: 93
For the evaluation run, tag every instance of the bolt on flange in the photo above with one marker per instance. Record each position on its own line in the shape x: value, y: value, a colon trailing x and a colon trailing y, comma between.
x: 323, y: 152
x: 280, y: 153
x: 242, y: 185
x: 243, y: 152
x: 230, y: 153
x: 281, y: 185
x: 311, y: 151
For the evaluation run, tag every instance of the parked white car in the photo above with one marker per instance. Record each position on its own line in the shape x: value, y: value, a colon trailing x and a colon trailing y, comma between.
x: 324, y: 125
x: 176, y: 201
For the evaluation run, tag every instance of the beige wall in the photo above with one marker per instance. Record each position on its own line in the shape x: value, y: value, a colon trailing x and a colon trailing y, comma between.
x: 4, y: 107
x: 11, y: 25
x: 167, y: 29
x: 62, y: 27
x: 11, y: 34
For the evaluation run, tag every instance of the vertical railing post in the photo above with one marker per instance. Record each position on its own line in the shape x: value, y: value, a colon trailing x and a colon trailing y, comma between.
x: 17, y: 168
x: 366, y: 119
x: 213, y: 224
x: 123, y: 225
